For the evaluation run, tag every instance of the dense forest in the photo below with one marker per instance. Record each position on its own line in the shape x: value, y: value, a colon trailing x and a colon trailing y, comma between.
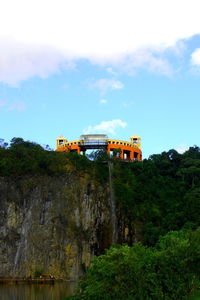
x: 161, y: 195
x: 170, y: 270
x: 28, y: 158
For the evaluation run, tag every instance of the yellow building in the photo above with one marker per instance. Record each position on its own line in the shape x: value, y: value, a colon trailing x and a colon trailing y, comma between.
x: 129, y: 150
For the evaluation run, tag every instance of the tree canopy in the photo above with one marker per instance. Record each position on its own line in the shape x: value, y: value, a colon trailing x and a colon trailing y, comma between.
x: 168, y: 271
x: 161, y: 193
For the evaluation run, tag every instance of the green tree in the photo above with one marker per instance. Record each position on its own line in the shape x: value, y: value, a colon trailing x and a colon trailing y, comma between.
x: 168, y: 271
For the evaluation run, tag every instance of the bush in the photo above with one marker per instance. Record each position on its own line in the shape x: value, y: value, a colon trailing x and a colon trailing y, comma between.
x: 25, y: 157
x: 168, y: 271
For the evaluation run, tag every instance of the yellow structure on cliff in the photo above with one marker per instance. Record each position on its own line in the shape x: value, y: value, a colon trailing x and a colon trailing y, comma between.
x: 128, y: 150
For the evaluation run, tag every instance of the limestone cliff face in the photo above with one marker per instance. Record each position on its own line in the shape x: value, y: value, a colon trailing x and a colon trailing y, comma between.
x: 53, y: 224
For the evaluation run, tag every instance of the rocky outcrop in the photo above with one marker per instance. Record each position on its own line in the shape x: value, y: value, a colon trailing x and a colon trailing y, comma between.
x: 56, y: 224
x: 52, y: 225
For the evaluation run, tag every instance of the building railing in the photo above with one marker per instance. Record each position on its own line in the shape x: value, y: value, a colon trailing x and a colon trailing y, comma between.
x: 100, y: 142
x: 90, y: 143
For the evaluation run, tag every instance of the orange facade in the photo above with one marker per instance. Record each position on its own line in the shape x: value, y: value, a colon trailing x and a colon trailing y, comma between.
x: 125, y: 152
x: 71, y: 148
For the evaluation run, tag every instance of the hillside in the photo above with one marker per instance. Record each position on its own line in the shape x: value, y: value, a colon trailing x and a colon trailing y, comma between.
x: 58, y: 210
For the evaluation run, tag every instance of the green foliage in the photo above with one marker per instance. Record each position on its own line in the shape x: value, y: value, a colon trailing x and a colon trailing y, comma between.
x: 161, y: 192
x: 28, y: 158
x: 25, y: 157
x: 99, y: 164
x: 194, y: 296
x: 80, y: 162
x: 168, y: 271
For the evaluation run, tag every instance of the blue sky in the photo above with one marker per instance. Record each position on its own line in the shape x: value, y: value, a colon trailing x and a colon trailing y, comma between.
x: 119, y: 68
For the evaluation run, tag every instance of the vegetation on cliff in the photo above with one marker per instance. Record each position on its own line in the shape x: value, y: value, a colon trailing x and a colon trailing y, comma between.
x: 161, y: 193
x: 159, y: 201
x: 25, y: 158
x: 170, y: 270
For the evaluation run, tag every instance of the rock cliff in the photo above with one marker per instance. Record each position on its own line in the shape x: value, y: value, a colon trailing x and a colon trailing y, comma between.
x: 56, y: 224
x: 52, y: 225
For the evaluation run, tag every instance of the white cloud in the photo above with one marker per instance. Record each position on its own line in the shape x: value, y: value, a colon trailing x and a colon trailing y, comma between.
x: 103, y: 101
x: 107, y: 84
x: 182, y: 148
x: 106, y: 127
x: 195, y: 57
x: 19, y: 61
x: 38, y: 37
x: 152, y: 59
x: 149, y: 59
